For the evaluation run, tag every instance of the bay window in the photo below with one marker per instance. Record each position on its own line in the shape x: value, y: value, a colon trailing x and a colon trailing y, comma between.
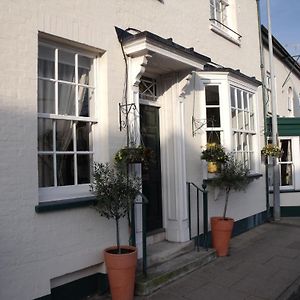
x: 228, y: 115
x: 66, y: 93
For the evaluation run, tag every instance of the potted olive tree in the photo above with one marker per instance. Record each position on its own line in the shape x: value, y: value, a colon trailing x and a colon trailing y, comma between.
x: 234, y: 176
x: 115, y: 191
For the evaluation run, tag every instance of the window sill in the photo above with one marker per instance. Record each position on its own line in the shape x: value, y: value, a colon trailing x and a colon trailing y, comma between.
x: 287, y: 191
x: 252, y: 175
x: 224, y: 34
x: 49, y: 206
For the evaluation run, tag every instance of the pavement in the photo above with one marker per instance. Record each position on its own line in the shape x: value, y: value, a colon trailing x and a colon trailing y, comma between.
x: 264, y: 264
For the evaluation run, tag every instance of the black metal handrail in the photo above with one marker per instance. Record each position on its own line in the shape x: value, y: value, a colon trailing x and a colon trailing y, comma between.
x: 205, y: 213
x: 144, y: 236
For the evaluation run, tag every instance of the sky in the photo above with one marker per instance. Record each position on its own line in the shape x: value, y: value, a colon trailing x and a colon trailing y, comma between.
x: 285, y: 22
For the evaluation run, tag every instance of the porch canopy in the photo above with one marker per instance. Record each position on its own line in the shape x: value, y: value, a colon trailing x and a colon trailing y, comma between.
x: 164, y: 56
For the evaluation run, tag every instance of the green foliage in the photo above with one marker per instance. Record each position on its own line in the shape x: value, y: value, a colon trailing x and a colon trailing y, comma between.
x: 271, y: 150
x: 114, y: 191
x: 214, y: 153
x: 131, y: 155
x: 233, y: 176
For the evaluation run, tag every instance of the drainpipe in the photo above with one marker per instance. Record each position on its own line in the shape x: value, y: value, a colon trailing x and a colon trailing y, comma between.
x: 264, y: 91
x: 276, y: 191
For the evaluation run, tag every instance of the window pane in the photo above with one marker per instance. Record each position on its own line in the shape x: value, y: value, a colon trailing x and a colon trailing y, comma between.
x: 240, y: 119
x: 84, y: 68
x: 213, y: 117
x: 239, y: 98
x: 66, y: 66
x: 251, y: 102
x: 85, y: 98
x: 84, y: 168
x: 233, y: 118
x: 83, y: 132
x: 64, y: 135
x: 66, y: 99
x: 247, y: 116
x: 232, y: 96
x: 46, y: 62
x: 245, y: 99
x: 239, y: 142
x: 286, y: 148
x: 46, y: 96
x: 213, y: 137
x: 286, y: 174
x: 65, y: 169
x: 235, y: 141
x: 45, y: 135
x: 46, y: 174
x: 212, y: 95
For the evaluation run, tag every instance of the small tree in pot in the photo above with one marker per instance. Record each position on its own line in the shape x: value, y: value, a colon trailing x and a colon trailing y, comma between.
x: 115, y: 191
x: 233, y: 176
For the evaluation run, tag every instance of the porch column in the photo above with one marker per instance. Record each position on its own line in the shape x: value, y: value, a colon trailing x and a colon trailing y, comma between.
x: 173, y: 158
x: 136, y: 68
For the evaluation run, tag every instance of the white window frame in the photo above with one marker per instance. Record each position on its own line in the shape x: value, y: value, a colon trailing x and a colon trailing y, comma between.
x: 295, y: 162
x: 54, y: 193
x: 222, y: 19
x: 247, y: 133
x: 225, y: 81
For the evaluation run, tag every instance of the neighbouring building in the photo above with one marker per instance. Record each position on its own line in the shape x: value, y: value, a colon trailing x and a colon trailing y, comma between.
x: 287, y: 72
x: 190, y: 71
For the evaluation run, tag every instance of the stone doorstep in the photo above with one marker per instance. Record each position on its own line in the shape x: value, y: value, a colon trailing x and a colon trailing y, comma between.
x: 172, y: 269
x: 163, y: 251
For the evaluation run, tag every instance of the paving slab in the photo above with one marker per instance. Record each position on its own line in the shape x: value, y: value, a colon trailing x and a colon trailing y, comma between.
x: 264, y: 264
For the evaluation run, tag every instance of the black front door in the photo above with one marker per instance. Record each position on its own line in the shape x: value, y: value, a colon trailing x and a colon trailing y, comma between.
x: 149, y: 122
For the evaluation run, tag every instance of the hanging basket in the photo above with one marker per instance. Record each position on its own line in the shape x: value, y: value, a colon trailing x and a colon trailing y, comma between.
x: 134, y: 155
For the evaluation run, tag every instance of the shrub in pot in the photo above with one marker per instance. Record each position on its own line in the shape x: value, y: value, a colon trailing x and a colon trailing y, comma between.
x: 115, y: 191
x: 234, y: 176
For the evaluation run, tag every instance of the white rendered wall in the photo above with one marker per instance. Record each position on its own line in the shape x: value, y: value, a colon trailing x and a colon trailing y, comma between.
x: 36, y: 248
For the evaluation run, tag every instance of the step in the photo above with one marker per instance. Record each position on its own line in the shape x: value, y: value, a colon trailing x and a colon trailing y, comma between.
x: 162, y: 274
x: 162, y: 251
x: 156, y: 236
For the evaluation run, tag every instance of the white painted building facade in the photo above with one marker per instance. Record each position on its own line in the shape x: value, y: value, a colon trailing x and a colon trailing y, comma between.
x: 58, y: 50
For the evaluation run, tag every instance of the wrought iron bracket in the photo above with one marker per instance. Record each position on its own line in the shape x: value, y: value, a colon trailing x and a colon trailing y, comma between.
x: 197, y: 124
x: 124, y: 110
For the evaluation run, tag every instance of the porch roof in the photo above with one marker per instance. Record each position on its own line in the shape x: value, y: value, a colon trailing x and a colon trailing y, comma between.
x: 166, y: 55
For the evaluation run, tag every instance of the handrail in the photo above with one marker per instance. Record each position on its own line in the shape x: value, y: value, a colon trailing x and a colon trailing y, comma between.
x: 144, y: 237
x: 205, y: 213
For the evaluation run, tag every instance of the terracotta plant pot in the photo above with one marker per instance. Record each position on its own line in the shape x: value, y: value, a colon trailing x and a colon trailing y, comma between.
x: 221, y: 230
x: 121, y: 271
x: 212, y: 167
